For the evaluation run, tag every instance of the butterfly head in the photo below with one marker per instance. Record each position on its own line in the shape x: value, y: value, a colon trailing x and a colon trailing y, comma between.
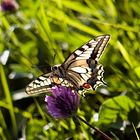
x: 55, y: 67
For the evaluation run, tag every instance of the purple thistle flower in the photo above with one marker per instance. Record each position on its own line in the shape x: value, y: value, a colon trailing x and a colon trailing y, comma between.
x: 9, y: 5
x: 63, y: 102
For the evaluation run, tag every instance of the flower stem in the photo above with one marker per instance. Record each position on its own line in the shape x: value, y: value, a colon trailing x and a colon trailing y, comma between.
x: 95, y: 128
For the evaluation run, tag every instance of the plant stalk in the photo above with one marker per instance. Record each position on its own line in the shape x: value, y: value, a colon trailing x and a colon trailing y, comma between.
x: 95, y: 128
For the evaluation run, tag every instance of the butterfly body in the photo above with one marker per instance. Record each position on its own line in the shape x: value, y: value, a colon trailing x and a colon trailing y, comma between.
x: 80, y: 70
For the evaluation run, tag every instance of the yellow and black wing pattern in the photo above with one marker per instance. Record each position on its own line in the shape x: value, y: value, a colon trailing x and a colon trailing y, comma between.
x: 80, y: 70
x: 82, y: 67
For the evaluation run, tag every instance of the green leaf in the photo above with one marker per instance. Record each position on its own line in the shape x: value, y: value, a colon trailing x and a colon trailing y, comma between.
x: 115, y: 110
x: 125, y: 54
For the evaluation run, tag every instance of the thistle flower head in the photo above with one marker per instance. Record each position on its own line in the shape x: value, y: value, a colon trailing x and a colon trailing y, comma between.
x: 63, y: 102
x: 9, y: 5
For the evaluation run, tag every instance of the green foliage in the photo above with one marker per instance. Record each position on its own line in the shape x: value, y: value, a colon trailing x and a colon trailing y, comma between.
x: 45, y: 32
x: 118, y: 108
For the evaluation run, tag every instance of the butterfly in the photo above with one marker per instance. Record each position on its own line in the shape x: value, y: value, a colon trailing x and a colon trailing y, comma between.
x: 80, y: 70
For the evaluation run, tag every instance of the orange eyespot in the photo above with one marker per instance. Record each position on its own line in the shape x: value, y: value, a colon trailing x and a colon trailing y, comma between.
x: 86, y: 85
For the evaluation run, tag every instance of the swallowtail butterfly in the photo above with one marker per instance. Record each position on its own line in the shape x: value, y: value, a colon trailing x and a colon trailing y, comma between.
x: 80, y: 70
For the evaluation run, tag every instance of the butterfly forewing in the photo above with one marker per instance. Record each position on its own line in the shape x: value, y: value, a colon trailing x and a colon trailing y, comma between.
x: 93, y: 48
x: 79, y: 70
